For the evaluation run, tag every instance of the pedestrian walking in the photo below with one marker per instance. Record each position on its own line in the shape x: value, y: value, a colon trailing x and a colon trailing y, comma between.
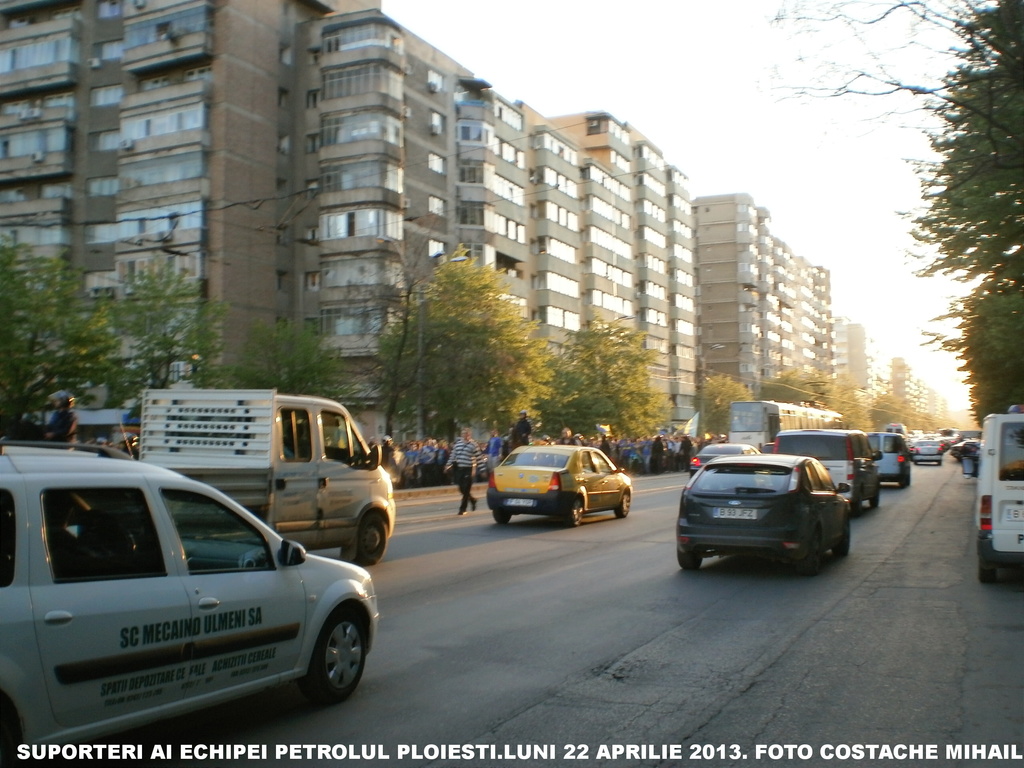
x: 464, y: 456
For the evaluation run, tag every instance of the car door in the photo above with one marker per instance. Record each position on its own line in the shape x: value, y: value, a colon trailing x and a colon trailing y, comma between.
x: 343, y: 487
x: 249, y: 613
x: 828, y: 503
x: 112, y: 619
x: 295, y: 477
x: 600, y: 479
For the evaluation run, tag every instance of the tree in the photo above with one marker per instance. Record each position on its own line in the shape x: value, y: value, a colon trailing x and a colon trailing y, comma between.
x: 52, y: 339
x: 602, y: 376
x: 475, y: 361
x: 973, y: 229
x: 169, y: 330
x: 290, y: 357
x: 716, y: 394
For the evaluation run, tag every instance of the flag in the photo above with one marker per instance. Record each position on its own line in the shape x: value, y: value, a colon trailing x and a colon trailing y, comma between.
x: 604, y: 429
x: 690, y: 428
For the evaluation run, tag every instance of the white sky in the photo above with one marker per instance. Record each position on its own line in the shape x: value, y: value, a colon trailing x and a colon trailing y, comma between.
x: 712, y: 85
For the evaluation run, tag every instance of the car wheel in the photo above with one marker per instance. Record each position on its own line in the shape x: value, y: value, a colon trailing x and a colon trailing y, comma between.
x: 688, y: 561
x: 904, y: 480
x: 501, y: 516
x: 372, y: 539
x: 842, y: 547
x: 986, y: 575
x: 856, y: 504
x: 339, y: 657
x: 873, y: 501
x: 811, y: 564
x: 576, y: 513
x: 623, y: 509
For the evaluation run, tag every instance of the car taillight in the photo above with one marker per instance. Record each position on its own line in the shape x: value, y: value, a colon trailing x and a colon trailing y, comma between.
x: 491, y: 483
x: 556, y: 482
x: 985, y: 514
x: 900, y: 459
x: 695, y: 462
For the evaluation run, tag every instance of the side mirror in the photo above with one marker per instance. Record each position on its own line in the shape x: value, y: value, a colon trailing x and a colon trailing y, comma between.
x: 877, y: 455
x: 843, y: 488
x: 291, y: 553
x: 375, y: 457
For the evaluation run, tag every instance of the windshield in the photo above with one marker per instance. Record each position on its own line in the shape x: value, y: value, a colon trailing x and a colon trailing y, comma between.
x: 747, y: 417
x: 740, y: 478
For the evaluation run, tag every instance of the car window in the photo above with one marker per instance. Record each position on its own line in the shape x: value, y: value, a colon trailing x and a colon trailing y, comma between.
x: 539, y: 459
x: 1011, y: 452
x: 740, y: 478
x: 601, y: 464
x: 214, y: 537
x: 820, y: 478
x: 587, y: 462
x: 8, y: 532
x: 296, y: 435
x: 100, y: 533
x: 821, y: 447
x: 337, y: 441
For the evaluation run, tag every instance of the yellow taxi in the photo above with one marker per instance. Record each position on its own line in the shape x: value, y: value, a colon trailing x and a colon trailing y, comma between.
x: 566, y: 481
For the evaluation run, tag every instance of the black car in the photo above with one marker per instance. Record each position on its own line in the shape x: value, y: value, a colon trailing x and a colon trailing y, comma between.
x: 777, y: 506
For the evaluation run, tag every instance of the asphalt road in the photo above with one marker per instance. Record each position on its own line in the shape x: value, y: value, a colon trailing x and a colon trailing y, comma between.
x: 533, y: 644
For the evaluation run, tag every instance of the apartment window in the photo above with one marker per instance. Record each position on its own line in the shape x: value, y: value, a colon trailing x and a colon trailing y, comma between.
x: 312, y: 98
x: 471, y: 171
x: 471, y: 213
x: 312, y: 143
x: 111, y: 50
x: 362, y: 222
x: 104, y: 141
x: 313, y: 281
x: 104, y: 185
x: 436, y: 123
x: 365, y: 78
x: 106, y: 95
x: 108, y: 9
x: 358, y: 126
x: 152, y: 83
x: 436, y: 162
x: 435, y: 81
x: 435, y: 248
x: 435, y: 205
x: 361, y: 173
x: 199, y: 73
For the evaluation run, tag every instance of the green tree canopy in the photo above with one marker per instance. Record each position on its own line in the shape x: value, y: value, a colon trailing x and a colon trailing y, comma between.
x: 716, y: 394
x: 290, y: 357
x: 52, y: 339
x: 168, y: 329
x: 602, y: 376
x: 476, y: 360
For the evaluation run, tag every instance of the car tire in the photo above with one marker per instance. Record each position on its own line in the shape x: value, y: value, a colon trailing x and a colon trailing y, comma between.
x: 904, y: 480
x: 873, y: 501
x: 688, y: 561
x: 986, y: 574
x: 856, y: 504
x: 842, y: 547
x: 622, y: 510
x: 371, y: 539
x: 501, y: 517
x: 810, y: 565
x: 575, y: 513
x: 338, y: 659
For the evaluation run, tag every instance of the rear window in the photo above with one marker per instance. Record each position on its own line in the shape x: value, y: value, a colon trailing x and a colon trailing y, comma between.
x: 885, y: 443
x: 538, y: 459
x: 1011, y: 452
x: 821, y: 447
x: 742, y: 478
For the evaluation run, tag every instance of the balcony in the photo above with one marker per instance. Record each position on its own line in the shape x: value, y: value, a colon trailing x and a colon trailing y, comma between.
x: 57, y: 67
x: 159, y: 39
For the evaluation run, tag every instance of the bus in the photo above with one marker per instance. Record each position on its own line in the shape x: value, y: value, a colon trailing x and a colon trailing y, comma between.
x: 757, y: 422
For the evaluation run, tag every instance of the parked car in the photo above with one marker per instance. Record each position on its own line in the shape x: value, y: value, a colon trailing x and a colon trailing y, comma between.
x: 895, y: 464
x: 846, y: 453
x: 781, y: 507
x: 711, y: 450
x: 931, y: 451
x: 130, y: 593
x: 566, y: 481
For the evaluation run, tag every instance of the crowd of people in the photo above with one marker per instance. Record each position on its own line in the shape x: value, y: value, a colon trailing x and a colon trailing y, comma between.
x: 425, y: 463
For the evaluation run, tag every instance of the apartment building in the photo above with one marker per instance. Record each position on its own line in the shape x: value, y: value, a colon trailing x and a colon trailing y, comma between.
x: 763, y: 309
x: 315, y: 160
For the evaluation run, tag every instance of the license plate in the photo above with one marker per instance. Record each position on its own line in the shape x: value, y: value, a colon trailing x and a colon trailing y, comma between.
x: 735, y: 513
x: 521, y: 503
x: 1014, y: 515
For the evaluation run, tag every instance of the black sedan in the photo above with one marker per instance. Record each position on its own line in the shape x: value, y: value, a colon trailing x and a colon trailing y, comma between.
x: 711, y: 450
x: 772, y: 505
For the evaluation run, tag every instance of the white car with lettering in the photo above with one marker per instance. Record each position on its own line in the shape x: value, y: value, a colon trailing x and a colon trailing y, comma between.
x: 130, y: 593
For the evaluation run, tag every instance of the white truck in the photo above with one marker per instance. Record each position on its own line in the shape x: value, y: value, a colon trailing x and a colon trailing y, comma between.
x: 298, y: 462
x: 999, y: 508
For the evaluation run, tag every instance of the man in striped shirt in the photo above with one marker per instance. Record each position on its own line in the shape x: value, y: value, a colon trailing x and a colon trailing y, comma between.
x: 464, y: 456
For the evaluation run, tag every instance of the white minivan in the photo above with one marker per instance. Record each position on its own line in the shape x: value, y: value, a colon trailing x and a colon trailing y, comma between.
x: 999, y: 509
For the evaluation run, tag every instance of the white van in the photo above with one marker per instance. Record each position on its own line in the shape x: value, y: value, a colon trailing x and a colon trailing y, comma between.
x: 999, y: 509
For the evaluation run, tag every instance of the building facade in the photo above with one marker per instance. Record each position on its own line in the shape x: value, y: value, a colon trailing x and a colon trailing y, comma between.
x: 324, y: 182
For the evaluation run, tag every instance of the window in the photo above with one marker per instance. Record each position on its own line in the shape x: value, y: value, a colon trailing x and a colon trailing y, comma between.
x: 435, y: 81
x: 105, y: 185
x: 100, y: 533
x: 296, y: 435
x: 106, y: 95
x: 471, y: 213
x: 364, y: 78
x: 436, y: 123
x: 435, y: 205
x: 435, y: 162
x: 312, y: 98
x: 215, y: 538
x: 471, y: 171
x: 360, y: 126
x: 108, y: 9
